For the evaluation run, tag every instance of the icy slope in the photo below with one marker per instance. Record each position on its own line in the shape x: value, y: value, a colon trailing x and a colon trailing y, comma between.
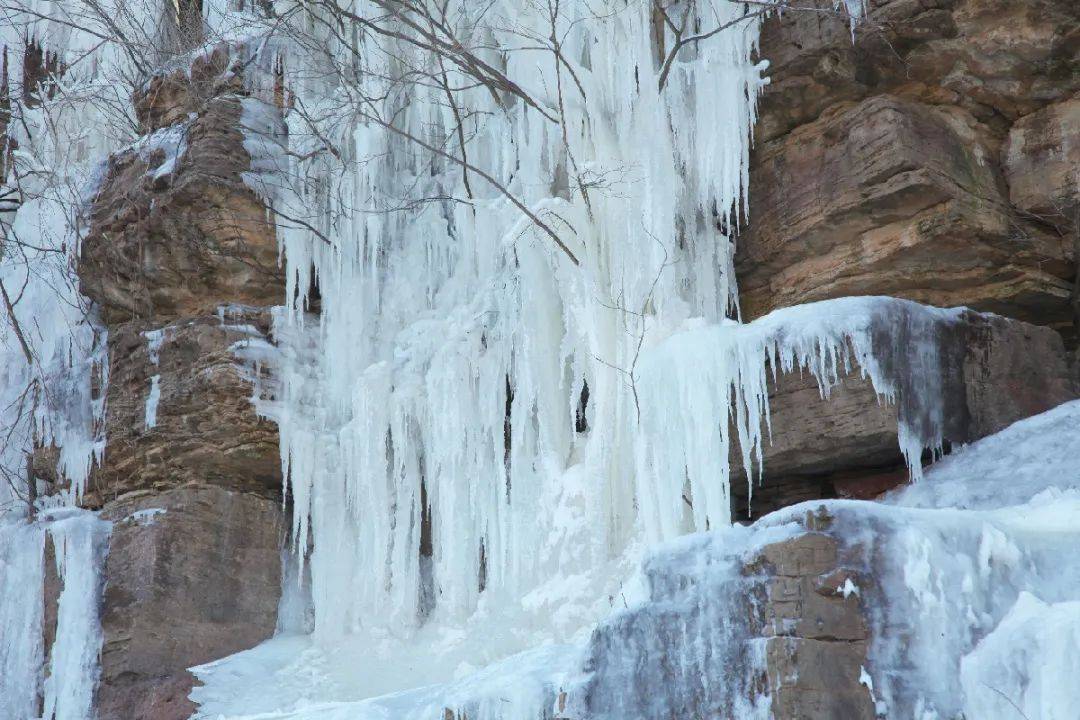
x: 971, y: 603
x: 1028, y: 458
x: 971, y: 591
x: 981, y: 570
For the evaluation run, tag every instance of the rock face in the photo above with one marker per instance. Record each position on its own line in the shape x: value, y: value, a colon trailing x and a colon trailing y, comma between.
x: 193, y: 574
x: 995, y: 371
x: 887, y: 165
x: 181, y: 256
x: 724, y: 622
x: 817, y: 635
x: 174, y: 230
x: 169, y: 98
x: 180, y: 411
x: 934, y: 157
x: 1042, y: 164
x: 997, y: 59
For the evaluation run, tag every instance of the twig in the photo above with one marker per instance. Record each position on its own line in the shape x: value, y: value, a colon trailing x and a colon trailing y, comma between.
x: 1008, y: 700
x: 15, y: 325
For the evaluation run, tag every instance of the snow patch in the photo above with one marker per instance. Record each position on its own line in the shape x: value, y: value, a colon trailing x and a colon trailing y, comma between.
x: 152, y: 399
x: 147, y: 516
x: 1027, y: 665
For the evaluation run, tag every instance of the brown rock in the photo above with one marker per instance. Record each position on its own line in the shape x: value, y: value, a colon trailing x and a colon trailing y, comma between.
x: 866, y: 485
x: 995, y: 372
x: 194, y: 567
x: 998, y: 59
x: 206, y: 429
x: 818, y: 635
x: 890, y: 197
x: 166, y: 241
x: 170, y: 95
x: 818, y: 680
x: 52, y: 587
x: 197, y: 581
x: 1042, y: 165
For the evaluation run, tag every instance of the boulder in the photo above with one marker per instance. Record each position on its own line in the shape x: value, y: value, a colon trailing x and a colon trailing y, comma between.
x: 995, y: 371
x: 730, y: 618
x: 193, y: 574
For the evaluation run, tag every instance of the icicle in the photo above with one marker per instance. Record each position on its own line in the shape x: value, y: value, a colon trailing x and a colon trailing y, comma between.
x: 22, y: 576
x: 81, y: 542
x: 434, y: 441
x: 66, y: 687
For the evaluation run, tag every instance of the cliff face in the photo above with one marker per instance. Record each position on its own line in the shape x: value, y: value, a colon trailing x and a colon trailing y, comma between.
x: 904, y: 163
x: 932, y: 158
x: 936, y: 157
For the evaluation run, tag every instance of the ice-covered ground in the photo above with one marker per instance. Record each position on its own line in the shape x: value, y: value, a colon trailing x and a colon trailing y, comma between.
x: 974, y: 602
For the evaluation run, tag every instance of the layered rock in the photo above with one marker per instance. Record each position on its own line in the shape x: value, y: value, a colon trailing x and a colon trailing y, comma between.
x: 881, y: 165
x: 1042, y: 165
x: 175, y: 230
x: 168, y: 98
x: 996, y: 59
x: 180, y: 409
x: 816, y: 633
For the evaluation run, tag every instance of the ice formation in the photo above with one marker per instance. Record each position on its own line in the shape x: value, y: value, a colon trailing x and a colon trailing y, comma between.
x: 64, y: 685
x: 152, y: 399
x: 973, y: 611
x: 53, y: 369
x: 461, y: 419
x: 971, y: 554
x: 154, y: 340
x: 973, y: 607
x: 22, y: 567
x: 80, y: 540
x: 55, y: 397
x: 693, y: 615
x: 705, y: 387
x: 458, y: 425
